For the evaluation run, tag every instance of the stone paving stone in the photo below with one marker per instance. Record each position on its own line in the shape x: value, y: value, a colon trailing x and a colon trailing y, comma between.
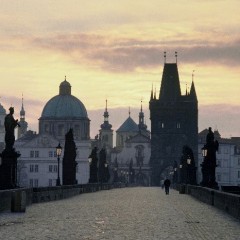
x: 121, y: 214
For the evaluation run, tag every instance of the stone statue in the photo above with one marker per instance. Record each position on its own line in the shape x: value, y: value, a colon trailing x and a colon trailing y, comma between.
x: 210, y: 137
x: 10, y: 123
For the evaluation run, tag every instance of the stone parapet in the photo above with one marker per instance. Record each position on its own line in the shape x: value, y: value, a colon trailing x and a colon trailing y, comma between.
x: 227, y: 202
x: 16, y: 200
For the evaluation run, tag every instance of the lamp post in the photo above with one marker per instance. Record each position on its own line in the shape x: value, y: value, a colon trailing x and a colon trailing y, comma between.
x: 180, y: 175
x: 188, y: 170
x: 59, y: 152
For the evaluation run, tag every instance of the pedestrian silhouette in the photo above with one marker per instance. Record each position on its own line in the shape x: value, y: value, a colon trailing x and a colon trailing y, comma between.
x: 167, y: 184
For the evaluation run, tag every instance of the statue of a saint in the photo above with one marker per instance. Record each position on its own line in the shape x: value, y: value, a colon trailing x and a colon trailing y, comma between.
x: 10, y: 123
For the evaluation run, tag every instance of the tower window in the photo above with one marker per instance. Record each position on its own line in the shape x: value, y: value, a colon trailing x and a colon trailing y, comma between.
x: 161, y: 125
x: 178, y: 125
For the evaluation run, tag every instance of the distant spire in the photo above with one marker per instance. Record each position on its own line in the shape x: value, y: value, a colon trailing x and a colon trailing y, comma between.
x: 129, y: 112
x: 106, y: 106
x: 165, y: 55
x: 176, y: 56
x: 65, y: 78
x: 186, y: 90
x: 22, y: 112
x: 155, y: 93
x: 193, y: 75
x: 106, y: 124
x: 141, y: 124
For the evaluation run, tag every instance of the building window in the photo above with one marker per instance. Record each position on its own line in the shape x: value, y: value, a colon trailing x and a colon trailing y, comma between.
x: 35, y: 182
x: 50, y: 168
x: 36, y: 168
x: 218, y: 177
x: 60, y: 130
x: 55, y: 154
x: 50, y: 182
x: 50, y: 154
x: 31, y: 168
x: 31, y: 183
x: 77, y: 130
x: 239, y: 161
x: 31, y: 154
x: 226, y: 150
x: 219, y: 150
x: 36, y: 154
x: 178, y: 125
x: 46, y: 128
x: 219, y: 163
x: 55, y: 168
x: 238, y: 174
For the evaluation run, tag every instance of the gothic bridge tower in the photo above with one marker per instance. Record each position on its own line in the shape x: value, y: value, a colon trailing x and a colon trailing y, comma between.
x: 174, y: 122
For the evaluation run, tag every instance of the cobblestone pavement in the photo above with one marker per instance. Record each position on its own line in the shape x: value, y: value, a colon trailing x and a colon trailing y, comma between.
x: 127, y: 213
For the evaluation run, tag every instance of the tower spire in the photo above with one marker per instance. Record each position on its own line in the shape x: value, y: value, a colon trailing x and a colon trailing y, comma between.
x: 129, y: 112
x: 22, y: 112
x: 106, y: 106
x: 165, y: 57
x: 176, y: 56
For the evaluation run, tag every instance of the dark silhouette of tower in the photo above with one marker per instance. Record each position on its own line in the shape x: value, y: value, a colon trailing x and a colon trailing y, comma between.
x: 174, y: 122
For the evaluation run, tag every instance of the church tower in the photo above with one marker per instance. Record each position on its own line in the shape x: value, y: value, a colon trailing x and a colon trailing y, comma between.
x: 23, y: 124
x: 106, y: 132
x: 141, y: 124
x: 174, y: 122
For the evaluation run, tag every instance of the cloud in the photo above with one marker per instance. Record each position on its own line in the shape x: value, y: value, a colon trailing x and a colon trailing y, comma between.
x: 128, y: 54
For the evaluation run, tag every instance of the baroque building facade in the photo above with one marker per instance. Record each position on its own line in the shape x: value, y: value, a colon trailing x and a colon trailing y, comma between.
x: 37, y: 165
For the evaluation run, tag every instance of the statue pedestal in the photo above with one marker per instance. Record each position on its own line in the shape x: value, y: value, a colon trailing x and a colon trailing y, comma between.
x: 8, y: 169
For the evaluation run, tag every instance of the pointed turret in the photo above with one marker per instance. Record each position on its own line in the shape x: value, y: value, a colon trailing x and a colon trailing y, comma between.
x: 151, y: 98
x: 170, y: 86
x: 193, y: 93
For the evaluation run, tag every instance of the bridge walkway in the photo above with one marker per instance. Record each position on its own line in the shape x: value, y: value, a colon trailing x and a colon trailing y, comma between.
x: 121, y: 214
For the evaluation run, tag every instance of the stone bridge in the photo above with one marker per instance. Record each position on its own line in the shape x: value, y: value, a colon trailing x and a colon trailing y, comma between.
x: 133, y: 213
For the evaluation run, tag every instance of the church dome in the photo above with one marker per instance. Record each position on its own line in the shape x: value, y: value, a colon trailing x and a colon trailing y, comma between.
x: 64, y: 105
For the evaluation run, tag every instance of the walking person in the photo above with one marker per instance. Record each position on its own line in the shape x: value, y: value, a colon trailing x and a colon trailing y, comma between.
x: 167, y: 184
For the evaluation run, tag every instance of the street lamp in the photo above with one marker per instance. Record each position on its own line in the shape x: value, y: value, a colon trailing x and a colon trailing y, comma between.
x: 59, y: 152
x: 188, y: 169
x: 90, y: 160
x: 204, y: 151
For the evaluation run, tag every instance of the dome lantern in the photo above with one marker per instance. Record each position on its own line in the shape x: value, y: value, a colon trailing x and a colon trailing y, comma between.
x: 65, y: 88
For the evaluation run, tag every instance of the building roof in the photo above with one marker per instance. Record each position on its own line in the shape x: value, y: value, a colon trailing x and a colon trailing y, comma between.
x: 128, y: 126
x: 64, y: 105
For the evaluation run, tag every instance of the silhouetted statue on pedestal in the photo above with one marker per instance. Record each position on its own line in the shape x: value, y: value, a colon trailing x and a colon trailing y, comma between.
x: 69, y: 162
x: 94, y: 166
x: 10, y: 124
x: 209, y: 162
x: 8, y: 168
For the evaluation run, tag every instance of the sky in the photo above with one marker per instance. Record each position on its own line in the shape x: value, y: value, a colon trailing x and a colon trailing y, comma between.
x: 110, y: 49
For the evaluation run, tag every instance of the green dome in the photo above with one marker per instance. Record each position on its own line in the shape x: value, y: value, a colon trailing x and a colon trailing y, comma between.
x: 64, y: 105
